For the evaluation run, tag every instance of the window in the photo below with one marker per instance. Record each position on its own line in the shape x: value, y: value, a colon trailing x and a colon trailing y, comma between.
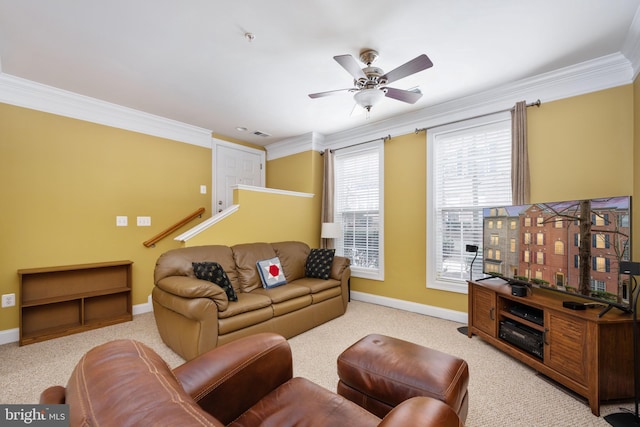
x: 527, y: 222
x: 601, y: 264
x: 559, y: 279
x: 513, y: 224
x: 558, y: 223
x: 539, y: 239
x: 468, y: 168
x: 512, y: 245
x: 558, y: 247
x: 358, y: 207
x: 527, y: 238
x: 526, y: 256
x: 540, y: 221
x: 600, y: 220
x: 600, y: 240
x: 540, y: 258
x: 495, y: 240
x: 598, y: 285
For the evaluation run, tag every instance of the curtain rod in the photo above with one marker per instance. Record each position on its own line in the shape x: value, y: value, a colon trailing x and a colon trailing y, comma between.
x: 384, y: 138
x: 533, y: 104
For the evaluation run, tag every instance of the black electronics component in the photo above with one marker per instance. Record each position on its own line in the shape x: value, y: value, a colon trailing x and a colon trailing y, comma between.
x: 574, y: 305
x: 529, y: 313
x: 518, y: 290
x: 523, y: 337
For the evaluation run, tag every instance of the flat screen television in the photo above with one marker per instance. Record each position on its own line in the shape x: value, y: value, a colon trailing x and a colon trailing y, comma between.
x: 573, y: 246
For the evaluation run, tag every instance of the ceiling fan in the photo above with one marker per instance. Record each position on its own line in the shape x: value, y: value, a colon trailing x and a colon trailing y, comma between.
x: 370, y: 83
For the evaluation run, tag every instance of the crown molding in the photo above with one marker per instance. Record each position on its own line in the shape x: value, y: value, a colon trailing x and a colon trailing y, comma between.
x: 295, y: 145
x: 28, y: 94
x: 631, y: 46
x: 590, y: 76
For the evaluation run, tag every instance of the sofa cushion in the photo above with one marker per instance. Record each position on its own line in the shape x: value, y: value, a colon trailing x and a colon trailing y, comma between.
x: 271, y: 273
x: 284, y: 292
x: 214, y: 273
x: 319, y: 263
x: 178, y: 262
x: 299, y: 402
x: 293, y: 256
x: 317, y: 285
x: 246, y: 255
x: 246, y: 302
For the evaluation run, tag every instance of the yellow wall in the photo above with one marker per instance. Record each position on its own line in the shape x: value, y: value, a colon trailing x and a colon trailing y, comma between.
x: 580, y: 147
x: 263, y: 217
x: 62, y: 183
x: 300, y: 172
x: 65, y: 180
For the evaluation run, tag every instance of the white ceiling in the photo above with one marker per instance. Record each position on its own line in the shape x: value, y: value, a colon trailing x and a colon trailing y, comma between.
x: 190, y: 61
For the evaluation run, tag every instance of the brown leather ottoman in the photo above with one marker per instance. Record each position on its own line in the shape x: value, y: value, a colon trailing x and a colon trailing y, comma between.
x: 379, y: 372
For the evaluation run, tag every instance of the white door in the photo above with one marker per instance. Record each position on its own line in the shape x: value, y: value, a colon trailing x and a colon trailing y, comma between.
x: 234, y: 164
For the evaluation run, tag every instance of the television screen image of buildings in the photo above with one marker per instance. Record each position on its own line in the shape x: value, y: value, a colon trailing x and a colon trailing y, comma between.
x: 573, y: 246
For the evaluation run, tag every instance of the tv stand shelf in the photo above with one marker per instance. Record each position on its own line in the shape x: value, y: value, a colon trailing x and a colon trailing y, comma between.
x: 588, y: 354
x: 58, y: 301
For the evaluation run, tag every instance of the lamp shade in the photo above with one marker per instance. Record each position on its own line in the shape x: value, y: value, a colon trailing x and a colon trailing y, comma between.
x: 367, y: 98
x: 331, y: 230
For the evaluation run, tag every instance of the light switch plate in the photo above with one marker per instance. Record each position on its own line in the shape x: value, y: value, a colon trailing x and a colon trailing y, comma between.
x: 144, y: 221
x: 203, y: 189
x: 121, y: 221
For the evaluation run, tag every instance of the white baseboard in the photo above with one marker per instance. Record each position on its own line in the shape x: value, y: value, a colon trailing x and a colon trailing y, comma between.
x: 414, y: 307
x: 9, y: 335
x: 143, y: 308
x: 13, y: 335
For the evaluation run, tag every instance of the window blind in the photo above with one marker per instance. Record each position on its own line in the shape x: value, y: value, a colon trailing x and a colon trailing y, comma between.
x: 357, y: 207
x: 471, y: 169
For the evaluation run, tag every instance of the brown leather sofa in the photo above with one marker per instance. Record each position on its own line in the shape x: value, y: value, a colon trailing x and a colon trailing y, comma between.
x: 245, y: 383
x: 194, y: 316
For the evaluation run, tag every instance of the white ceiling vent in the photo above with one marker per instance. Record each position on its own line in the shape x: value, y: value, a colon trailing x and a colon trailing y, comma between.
x: 258, y: 133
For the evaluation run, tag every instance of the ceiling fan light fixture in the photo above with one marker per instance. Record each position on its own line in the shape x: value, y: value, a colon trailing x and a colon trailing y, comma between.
x: 367, y: 98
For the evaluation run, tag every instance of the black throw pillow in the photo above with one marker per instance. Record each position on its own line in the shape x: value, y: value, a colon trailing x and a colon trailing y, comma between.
x: 214, y: 273
x: 319, y: 263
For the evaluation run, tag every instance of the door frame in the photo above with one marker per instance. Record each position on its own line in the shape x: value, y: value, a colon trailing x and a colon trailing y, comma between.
x: 215, y: 143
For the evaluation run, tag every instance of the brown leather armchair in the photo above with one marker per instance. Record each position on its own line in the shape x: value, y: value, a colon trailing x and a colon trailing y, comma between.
x: 248, y: 382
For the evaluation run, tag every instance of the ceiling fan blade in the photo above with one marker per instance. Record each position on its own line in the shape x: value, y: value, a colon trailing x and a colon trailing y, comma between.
x: 417, y: 64
x: 403, y: 95
x: 350, y: 64
x: 327, y: 93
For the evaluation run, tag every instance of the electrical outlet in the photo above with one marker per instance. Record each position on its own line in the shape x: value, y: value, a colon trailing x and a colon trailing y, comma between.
x: 203, y: 189
x: 8, y: 300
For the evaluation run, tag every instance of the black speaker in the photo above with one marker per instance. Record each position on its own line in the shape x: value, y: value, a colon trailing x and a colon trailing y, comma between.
x: 630, y: 267
x: 519, y: 290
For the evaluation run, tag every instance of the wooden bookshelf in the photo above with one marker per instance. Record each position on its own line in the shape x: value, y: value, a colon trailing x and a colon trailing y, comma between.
x: 63, y: 300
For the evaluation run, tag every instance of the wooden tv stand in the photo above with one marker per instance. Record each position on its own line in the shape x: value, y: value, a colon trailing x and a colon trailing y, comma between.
x: 591, y: 355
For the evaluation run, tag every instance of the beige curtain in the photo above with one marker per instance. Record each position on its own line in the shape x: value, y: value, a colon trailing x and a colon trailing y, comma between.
x: 327, y: 196
x: 520, y: 181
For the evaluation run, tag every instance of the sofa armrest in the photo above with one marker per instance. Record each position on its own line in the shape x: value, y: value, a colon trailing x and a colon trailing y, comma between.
x: 223, y: 380
x: 340, y: 264
x: 189, y: 287
x: 430, y: 412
